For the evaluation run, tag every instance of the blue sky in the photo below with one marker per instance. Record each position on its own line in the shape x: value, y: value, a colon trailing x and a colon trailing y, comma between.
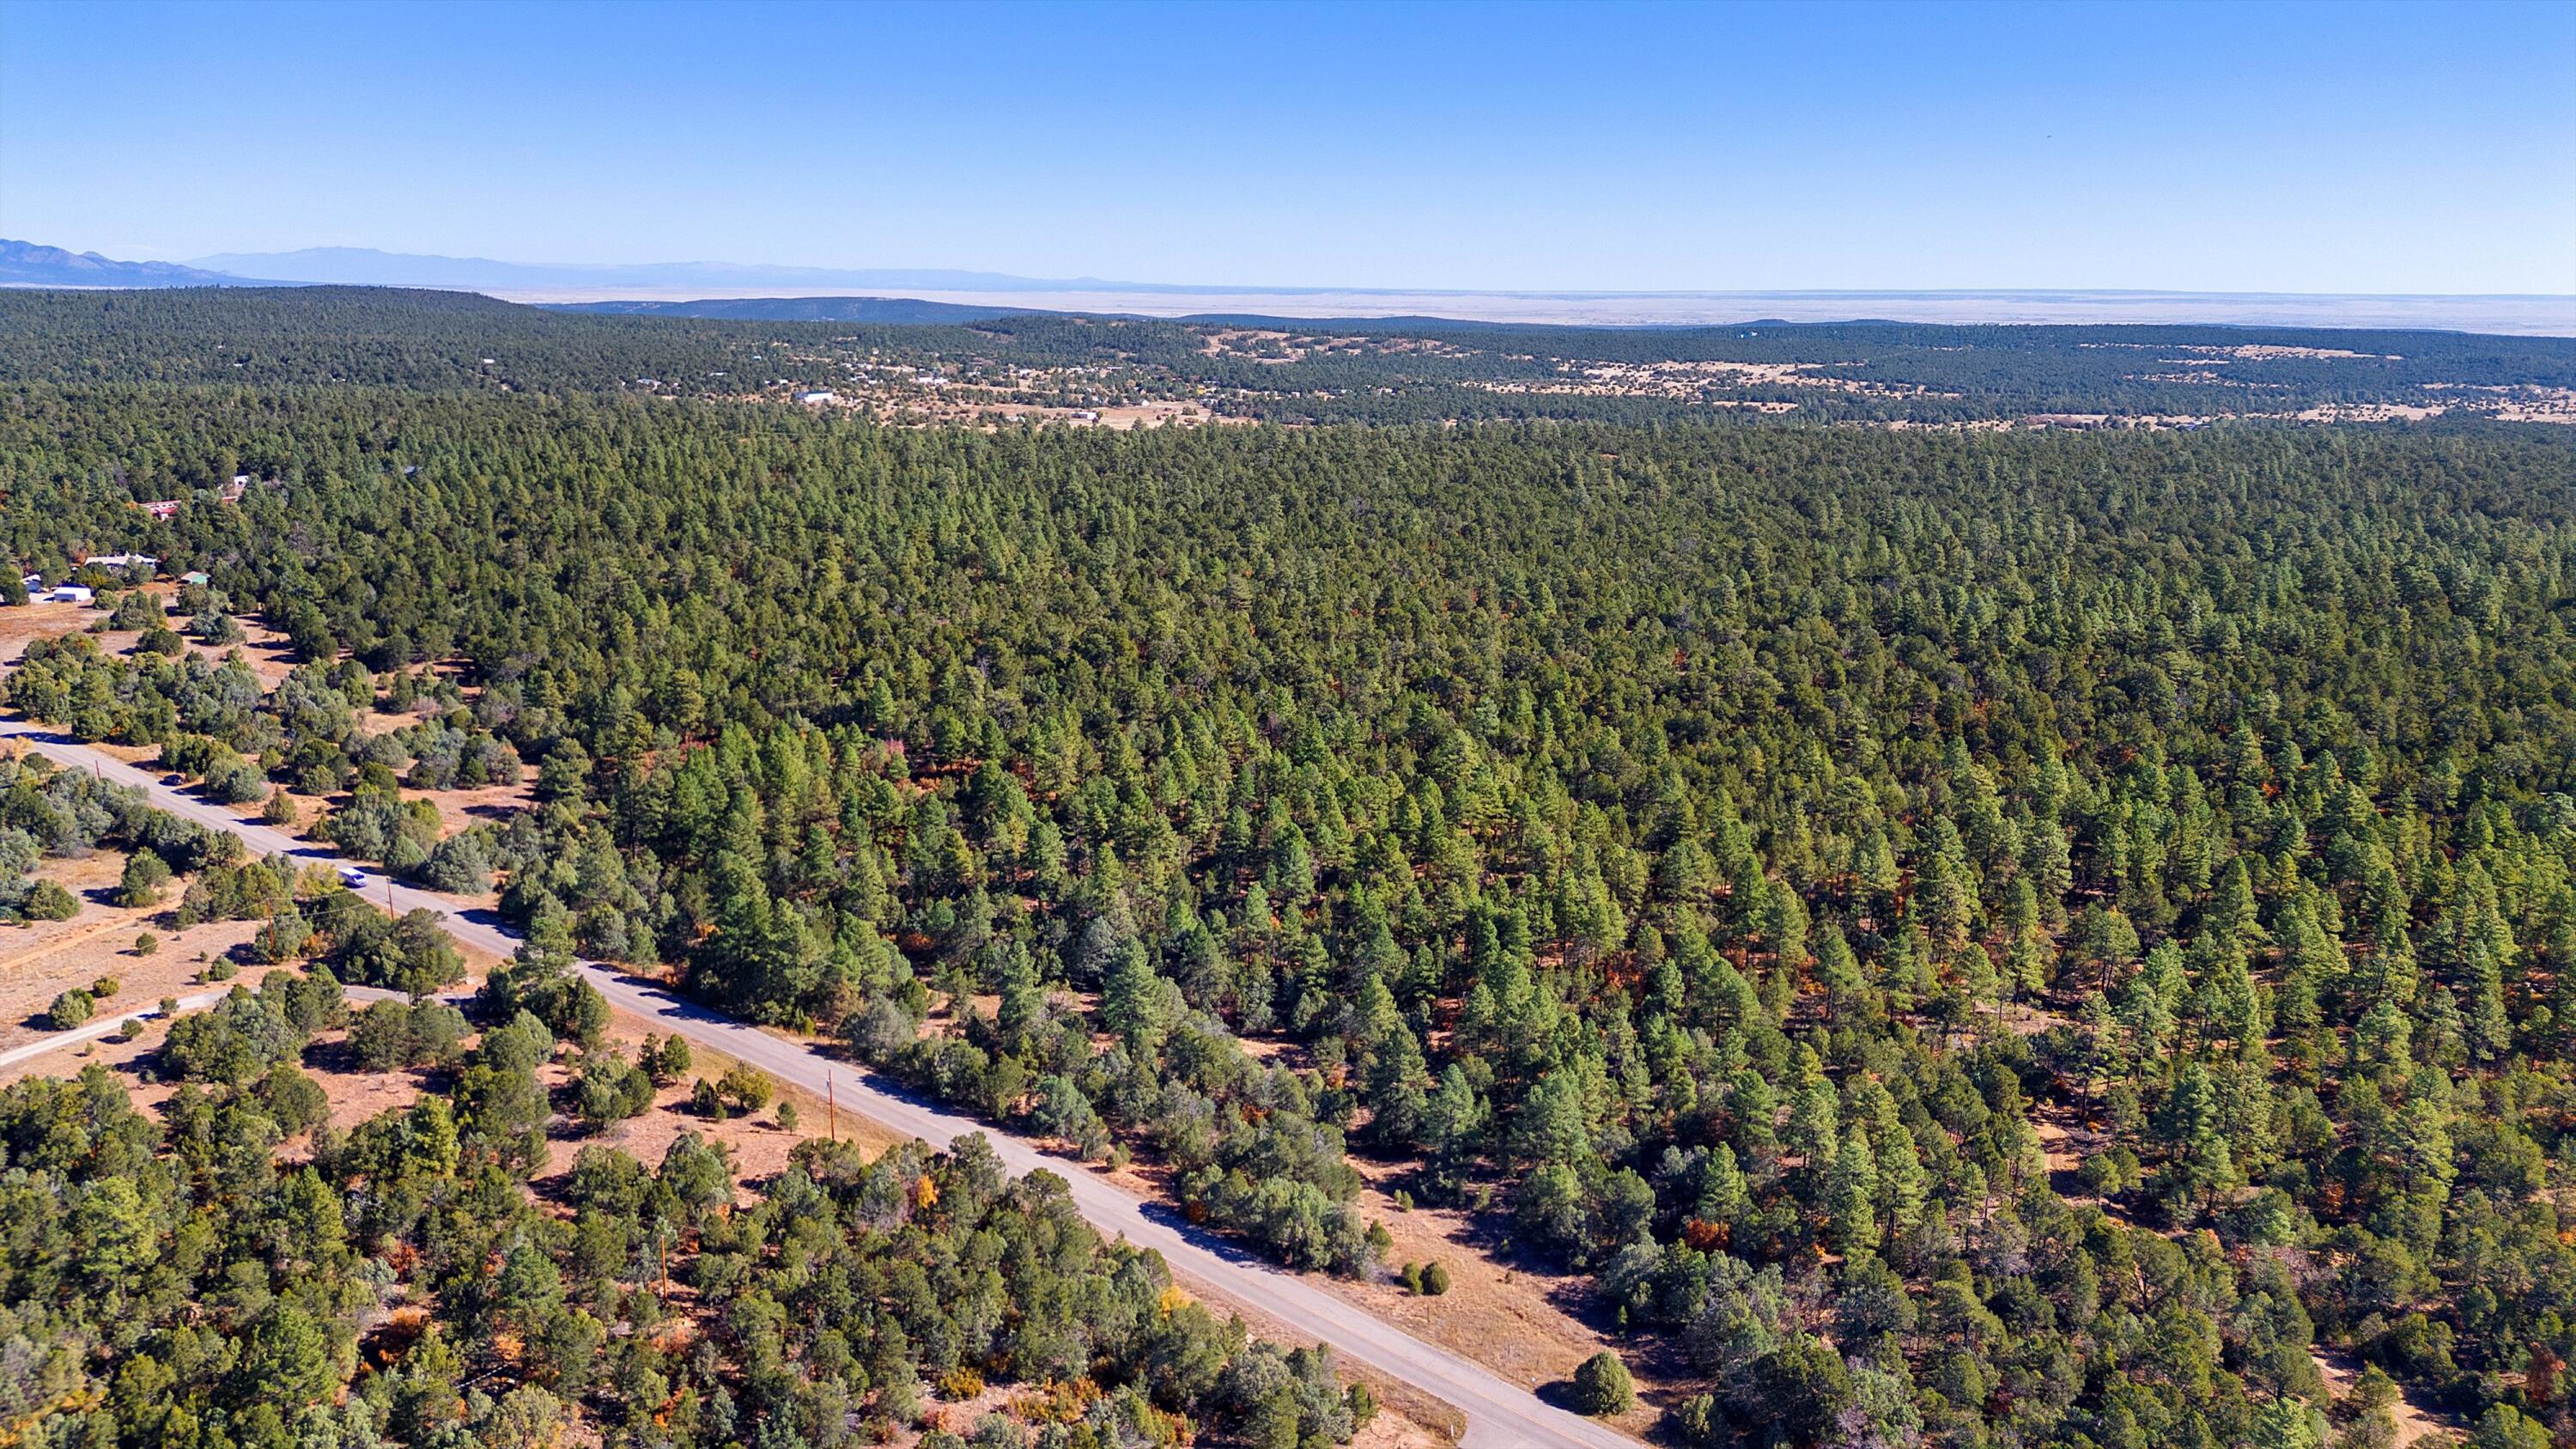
x: 2306, y: 148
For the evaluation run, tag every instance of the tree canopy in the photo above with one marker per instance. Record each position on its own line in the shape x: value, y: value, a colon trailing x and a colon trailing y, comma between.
x: 2005, y: 938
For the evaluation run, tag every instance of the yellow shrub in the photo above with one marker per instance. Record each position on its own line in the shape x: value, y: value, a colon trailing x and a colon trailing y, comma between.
x: 960, y: 1383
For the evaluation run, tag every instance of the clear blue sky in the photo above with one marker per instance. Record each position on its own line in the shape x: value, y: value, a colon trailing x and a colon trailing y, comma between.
x: 2311, y: 147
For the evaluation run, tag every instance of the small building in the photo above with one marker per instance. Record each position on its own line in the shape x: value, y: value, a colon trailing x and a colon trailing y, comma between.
x: 121, y: 560
x: 198, y: 579
x: 161, y: 507
x: 818, y: 395
x: 70, y: 594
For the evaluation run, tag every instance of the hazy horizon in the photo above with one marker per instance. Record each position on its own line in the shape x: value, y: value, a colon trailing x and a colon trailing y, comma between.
x: 718, y: 283
x: 1623, y: 149
x: 725, y: 267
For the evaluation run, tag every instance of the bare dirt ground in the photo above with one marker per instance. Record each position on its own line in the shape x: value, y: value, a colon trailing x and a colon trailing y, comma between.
x: 128, y: 1058
x: 2064, y: 1142
x: 2249, y: 352
x: 1701, y: 382
x: 760, y: 1146
x: 265, y: 650
x: 2366, y: 413
x: 1117, y: 417
x: 1145, y: 415
x: 385, y: 721
x: 2517, y: 403
x: 1272, y: 347
x: 42, y: 959
x: 22, y: 623
x: 458, y: 809
x: 484, y: 804
x: 1518, y: 1320
x: 2415, y: 1423
x: 39, y: 961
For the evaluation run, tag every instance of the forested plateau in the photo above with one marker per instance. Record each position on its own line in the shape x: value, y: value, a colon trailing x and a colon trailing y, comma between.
x: 1959, y: 938
x: 1280, y: 370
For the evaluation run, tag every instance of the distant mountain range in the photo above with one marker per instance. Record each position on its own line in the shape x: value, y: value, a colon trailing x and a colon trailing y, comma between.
x: 25, y: 264
x: 366, y: 267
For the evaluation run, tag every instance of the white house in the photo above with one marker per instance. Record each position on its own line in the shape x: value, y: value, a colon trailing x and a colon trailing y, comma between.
x: 70, y: 594
x: 122, y: 560
x: 818, y: 396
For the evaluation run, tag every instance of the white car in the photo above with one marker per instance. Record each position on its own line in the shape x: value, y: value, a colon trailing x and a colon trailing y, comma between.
x: 352, y: 877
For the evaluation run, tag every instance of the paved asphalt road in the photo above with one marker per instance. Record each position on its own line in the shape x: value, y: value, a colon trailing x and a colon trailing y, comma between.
x: 1499, y: 1413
